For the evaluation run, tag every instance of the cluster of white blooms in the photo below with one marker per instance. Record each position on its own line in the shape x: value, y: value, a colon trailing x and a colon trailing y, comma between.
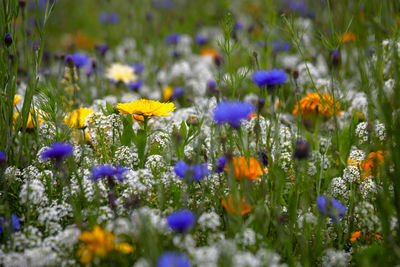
x: 246, y: 238
x: 307, y: 218
x: 125, y: 157
x: 351, y: 174
x: 155, y: 163
x: 47, y: 130
x: 209, y: 220
x: 380, y: 131
x: 366, y: 218
x: 362, y: 132
x: 205, y: 256
x: 339, y: 188
x: 368, y: 188
x: 103, y: 131
x: 336, y: 258
x: 33, y: 193
x: 12, y: 173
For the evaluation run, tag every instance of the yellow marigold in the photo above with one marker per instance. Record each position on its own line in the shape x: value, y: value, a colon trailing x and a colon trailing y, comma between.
x: 146, y: 108
x: 121, y: 73
x: 99, y: 243
x: 315, y: 104
x: 30, y: 124
x: 247, y: 168
x: 167, y: 93
x: 373, y: 161
x: 17, y: 98
x: 77, y: 118
x: 233, y: 207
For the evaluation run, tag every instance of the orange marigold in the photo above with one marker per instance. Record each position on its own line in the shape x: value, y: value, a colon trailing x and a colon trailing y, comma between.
x: 373, y: 161
x: 247, y: 168
x: 232, y: 206
x: 348, y: 37
x: 209, y: 52
x: 355, y: 236
x: 315, y: 104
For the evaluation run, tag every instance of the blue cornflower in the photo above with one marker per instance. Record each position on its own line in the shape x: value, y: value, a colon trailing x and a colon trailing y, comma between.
x: 173, y: 259
x: 177, y: 93
x: 107, y: 170
x: 233, y: 112
x: 138, y: 67
x: 163, y: 4
x: 220, y: 164
x: 80, y: 59
x: 201, y: 39
x: 333, y: 208
x: 181, y: 168
x: 8, y: 39
x: 172, y: 39
x: 181, y: 221
x: 262, y: 43
x: 113, y: 18
x: 269, y: 78
x: 2, y: 156
x: 196, y: 171
x: 57, y: 151
x: 135, y: 85
x: 102, y: 48
x: 15, y: 224
x: 238, y: 25
x: 199, y: 171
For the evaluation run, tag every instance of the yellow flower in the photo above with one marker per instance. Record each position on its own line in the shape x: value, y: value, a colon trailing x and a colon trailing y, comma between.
x: 121, y: 73
x: 99, y: 243
x: 146, y: 108
x: 17, y: 98
x: 30, y: 124
x: 77, y: 118
x: 167, y: 93
x: 316, y: 103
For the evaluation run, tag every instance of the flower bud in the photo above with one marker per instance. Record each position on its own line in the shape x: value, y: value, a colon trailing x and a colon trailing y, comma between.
x: 8, y: 40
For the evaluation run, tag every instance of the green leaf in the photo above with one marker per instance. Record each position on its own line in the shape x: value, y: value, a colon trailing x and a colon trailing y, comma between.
x: 127, y: 134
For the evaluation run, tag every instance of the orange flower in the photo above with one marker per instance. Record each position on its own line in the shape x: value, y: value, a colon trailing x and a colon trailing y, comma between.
x: 232, y: 206
x: 209, y: 52
x: 348, y: 37
x: 355, y: 236
x: 316, y: 104
x: 373, y: 162
x: 366, y: 237
x: 247, y: 168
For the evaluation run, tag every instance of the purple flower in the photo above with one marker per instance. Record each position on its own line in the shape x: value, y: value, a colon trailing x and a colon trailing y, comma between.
x: 181, y: 168
x: 173, y: 259
x: 232, y: 112
x: 269, y: 78
x: 181, y: 221
x: 331, y: 207
x: 57, y: 151
x: 102, y: 48
x: 135, y: 85
x: 107, y: 170
x: 80, y: 59
x: 220, y: 162
x: 264, y: 156
x: 8, y: 39
x: 163, y: 4
x: 177, y: 93
x: 15, y: 224
x: 138, y: 68
x: 172, y: 39
x: 195, y: 171
x: 201, y: 39
x: 262, y: 43
x: 109, y: 18
x: 2, y: 157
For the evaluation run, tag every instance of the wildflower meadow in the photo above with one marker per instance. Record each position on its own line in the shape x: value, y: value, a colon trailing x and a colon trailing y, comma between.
x: 177, y: 133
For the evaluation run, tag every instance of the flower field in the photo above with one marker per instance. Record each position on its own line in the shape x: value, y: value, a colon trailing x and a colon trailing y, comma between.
x: 178, y: 133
